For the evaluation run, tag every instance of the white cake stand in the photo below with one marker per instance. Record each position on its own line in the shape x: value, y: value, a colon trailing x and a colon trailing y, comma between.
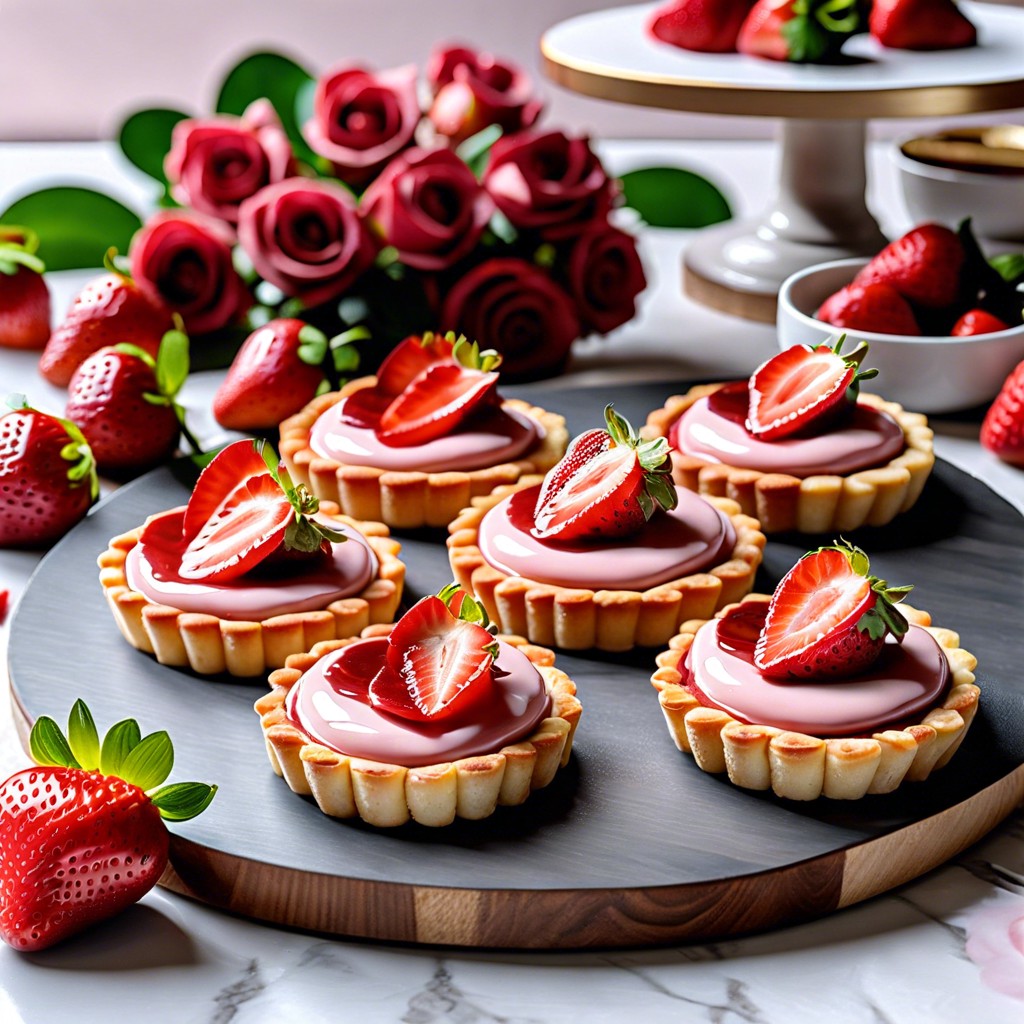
x: 819, y: 212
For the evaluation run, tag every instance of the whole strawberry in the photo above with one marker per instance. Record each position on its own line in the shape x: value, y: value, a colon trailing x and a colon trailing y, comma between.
x: 24, y: 296
x: 124, y: 402
x: 109, y: 310
x: 707, y: 26
x: 921, y: 25
x: 278, y: 369
x: 1002, y: 431
x: 47, y: 476
x: 923, y: 266
x: 876, y: 307
x: 82, y: 836
x: 977, y: 321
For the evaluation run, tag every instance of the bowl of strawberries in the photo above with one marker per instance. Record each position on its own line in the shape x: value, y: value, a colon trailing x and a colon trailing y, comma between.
x: 944, y: 324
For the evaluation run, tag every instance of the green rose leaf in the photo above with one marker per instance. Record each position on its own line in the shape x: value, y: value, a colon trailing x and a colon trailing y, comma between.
x: 671, y: 197
x: 145, y: 139
x: 76, y: 226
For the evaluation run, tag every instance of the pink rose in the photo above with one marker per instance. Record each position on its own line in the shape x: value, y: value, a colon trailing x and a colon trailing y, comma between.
x: 305, y: 237
x: 605, y: 277
x: 548, y: 182
x: 473, y: 90
x: 513, y: 306
x: 184, y: 259
x: 215, y: 164
x: 361, y: 119
x: 429, y: 206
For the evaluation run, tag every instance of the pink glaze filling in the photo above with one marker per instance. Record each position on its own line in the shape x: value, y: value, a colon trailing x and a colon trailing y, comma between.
x: 713, y: 429
x: 488, y: 439
x: 691, y: 538
x: 330, y: 704
x: 152, y: 566
x: 906, y: 679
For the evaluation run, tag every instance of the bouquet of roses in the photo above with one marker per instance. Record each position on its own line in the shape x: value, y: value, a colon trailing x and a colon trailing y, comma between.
x: 373, y: 199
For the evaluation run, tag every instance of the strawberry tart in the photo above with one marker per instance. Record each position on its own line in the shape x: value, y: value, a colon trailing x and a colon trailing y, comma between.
x: 431, y: 719
x: 251, y: 570
x: 412, y: 445
x: 829, y: 688
x: 605, y: 551
x: 798, y: 445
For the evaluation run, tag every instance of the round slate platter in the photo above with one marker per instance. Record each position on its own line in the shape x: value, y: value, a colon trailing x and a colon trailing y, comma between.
x: 631, y: 844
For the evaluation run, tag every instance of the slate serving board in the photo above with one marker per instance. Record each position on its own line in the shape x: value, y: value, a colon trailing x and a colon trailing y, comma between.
x: 632, y: 844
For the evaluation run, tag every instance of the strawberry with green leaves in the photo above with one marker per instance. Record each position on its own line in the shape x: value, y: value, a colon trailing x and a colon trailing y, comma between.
x: 246, y: 512
x: 801, y: 31
x: 47, y: 476
x: 82, y: 836
x: 829, y: 617
x: 439, y: 658
x: 125, y: 402
x: 24, y: 295
x: 608, y: 484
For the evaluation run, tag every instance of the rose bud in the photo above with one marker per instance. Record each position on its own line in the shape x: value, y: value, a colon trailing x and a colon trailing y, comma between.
x: 473, y: 90
x: 605, y: 277
x: 306, y: 237
x: 216, y: 163
x: 184, y: 259
x: 548, y: 182
x: 513, y: 306
x: 361, y: 119
x: 429, y: 206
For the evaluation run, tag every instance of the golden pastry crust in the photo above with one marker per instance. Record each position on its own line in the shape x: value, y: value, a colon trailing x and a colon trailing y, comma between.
x: 800, y: 767
x: 387, y: 795
x: 815, y: 504
x: 610, y: 620
x: 210, y: 645
x: 406, y: 499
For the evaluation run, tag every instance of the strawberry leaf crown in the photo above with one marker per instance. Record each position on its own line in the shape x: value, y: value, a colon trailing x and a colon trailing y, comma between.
x: 142, y: 761
x: 818, y: 28
x: 884, y: 616
x: 303, y: 533
x: 468, y: 609
x: 18, y: 247
x: 853, y: 360
x: 658, y: 491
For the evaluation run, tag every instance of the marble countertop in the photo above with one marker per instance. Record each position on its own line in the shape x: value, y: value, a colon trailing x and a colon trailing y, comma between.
x: 948, y: 947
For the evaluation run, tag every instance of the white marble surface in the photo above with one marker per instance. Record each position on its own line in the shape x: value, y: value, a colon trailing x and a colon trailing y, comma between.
x: 949, y: 947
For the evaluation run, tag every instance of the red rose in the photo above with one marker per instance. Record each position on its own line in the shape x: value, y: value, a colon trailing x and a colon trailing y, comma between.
x: 214, y: 164
x: 361, y: 119
x: 548, y: 182
x: 305, y: 237
x: 429, y: 206
x: 184, y: 259
x: 513, y: 306
x: 473, y: 90
x: 605, y: 277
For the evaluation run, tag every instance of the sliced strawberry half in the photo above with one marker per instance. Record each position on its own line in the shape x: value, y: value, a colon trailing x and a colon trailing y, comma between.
x: 608, y: 484
x: 802, y: 385
x: 438, y: 661
x: 409, y: 358
x: 828, y: 618
x: 232, y: 467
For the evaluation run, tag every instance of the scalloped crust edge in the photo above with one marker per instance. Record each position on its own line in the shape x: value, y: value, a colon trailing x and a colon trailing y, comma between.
x: 407, y: 499
x: 209, y: 645
x: 610, y: 620
x: 387, y: 795
x: 796, y: 766
x: 815, y: 504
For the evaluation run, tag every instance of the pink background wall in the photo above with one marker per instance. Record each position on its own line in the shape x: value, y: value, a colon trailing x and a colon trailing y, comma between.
x: 72, y: 69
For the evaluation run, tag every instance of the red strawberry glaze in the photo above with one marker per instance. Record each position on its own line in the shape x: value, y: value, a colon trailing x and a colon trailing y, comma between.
x: 487, y: 439
x: 713, y: 429
x: 330, y: 704
x: 692, y: 537
x: 906, y: 679
x: 152, y: 567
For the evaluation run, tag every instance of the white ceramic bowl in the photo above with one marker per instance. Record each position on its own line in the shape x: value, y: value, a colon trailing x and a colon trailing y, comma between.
x: 994, y: 202
x: 924, y: 374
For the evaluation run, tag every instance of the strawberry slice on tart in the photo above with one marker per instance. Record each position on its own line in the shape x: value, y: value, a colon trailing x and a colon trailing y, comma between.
x: 608, y: 484
x: 801, y: 387
x: 439, y: 658
x: 829, y: 617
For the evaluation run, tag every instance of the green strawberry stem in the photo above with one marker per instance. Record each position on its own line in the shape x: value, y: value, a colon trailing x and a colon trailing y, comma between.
x: 658, y: 491
x: 143, y: 761
x: 315, y: 348
x: 854, y: 359
x: 469, y: 610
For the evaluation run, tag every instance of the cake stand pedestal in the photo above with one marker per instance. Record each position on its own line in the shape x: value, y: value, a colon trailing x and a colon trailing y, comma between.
x: 819, y: 212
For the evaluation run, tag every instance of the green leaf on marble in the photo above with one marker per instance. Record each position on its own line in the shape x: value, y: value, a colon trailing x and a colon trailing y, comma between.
x: 671, y: 197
